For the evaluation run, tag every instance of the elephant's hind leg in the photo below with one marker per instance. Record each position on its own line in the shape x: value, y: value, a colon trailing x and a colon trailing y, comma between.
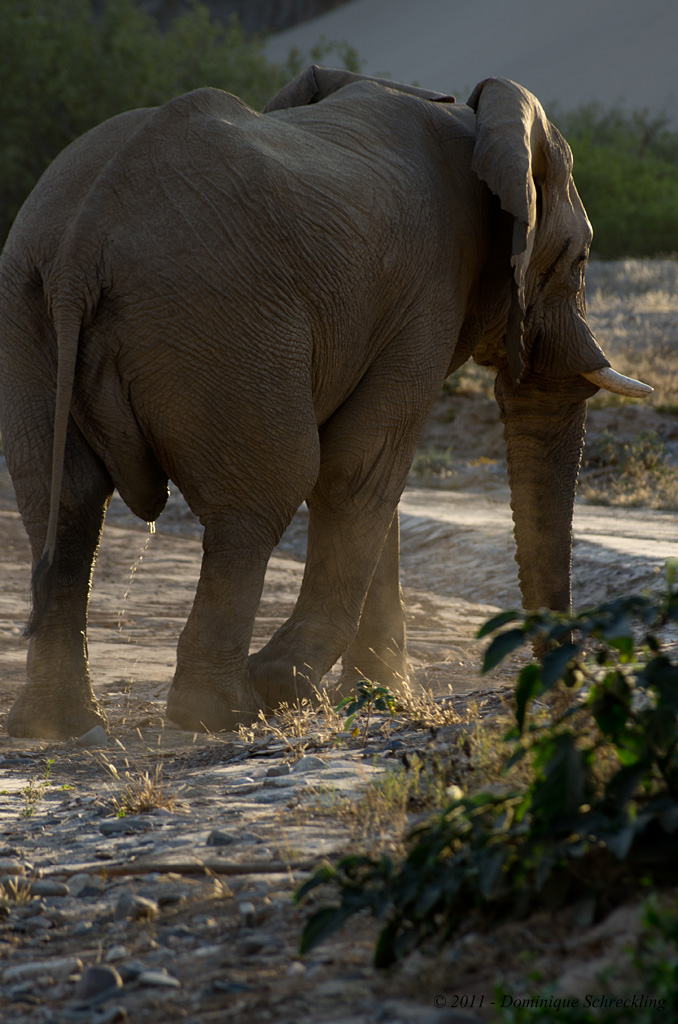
x: 57, y: 701
x: 210, y: 689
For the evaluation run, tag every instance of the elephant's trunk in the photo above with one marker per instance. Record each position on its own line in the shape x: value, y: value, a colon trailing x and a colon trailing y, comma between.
x: 544, y: 434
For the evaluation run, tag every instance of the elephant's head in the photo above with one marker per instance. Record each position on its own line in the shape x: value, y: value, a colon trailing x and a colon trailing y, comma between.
x: 547, y: 359
x: 525, y: 161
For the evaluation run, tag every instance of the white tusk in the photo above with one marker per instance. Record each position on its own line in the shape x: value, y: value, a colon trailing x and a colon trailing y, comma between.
x: 610, y: 380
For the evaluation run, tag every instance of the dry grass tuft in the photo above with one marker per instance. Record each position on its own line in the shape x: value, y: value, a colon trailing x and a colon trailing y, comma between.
x: 299, y: 726
x: 423, y: 709
x: 16, y: 891
x: 143, y: 791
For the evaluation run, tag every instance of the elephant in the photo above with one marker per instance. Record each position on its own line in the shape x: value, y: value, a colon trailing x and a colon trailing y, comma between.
x: 261, y: 308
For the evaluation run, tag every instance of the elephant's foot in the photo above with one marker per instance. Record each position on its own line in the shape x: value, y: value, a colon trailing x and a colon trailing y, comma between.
x: 44, y: 712
x: 280, y: 681
x: 198, y: 707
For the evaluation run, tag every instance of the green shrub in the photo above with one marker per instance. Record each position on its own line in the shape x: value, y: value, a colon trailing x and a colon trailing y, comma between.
x: 599, y: 811
x: 63, y: 70
x: 626, y: 171
x: 633, y: 473
x: 650, y: 994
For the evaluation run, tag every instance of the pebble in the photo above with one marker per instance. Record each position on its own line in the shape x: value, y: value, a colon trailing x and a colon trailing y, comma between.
x: 158, y: 978
x: 116, y: 953
x: 248, y: 913
x: 111, y: 1015
x: 135, y: 908
x: 219, y: 838
x: 97, y: 980
x: 127, y: 824
x: 59, y: 967
x: 14, y: 867
x: 49, y: 887
x: 308, y: 763
x: 79, y: 882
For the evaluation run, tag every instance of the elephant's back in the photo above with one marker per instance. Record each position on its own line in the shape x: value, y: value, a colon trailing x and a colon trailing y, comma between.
x: 61, y: 191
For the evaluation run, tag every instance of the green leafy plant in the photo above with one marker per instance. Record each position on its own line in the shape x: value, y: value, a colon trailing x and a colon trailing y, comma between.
x: 625, y: 170
x: 432, y: 464
x: 596, y: 721
x: 369, y: 697
x: 35, y: 790
x: 636, y: 472
x: 650, y: 993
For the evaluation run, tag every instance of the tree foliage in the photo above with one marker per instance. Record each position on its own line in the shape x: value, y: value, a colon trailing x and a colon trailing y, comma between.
x: 626, y: 171
x: 63, y: 70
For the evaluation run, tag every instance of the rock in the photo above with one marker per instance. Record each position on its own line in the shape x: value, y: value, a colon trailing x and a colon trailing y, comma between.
x: 232, y: 987
x: 97, y: 980
x: 248, y: 913
x: 308, y: 763
x: 244, y: 786
x: 111, y: 1015
x: 160, y: 977
x: 205, y: 922
x: 58, y: 967
x: 283, y: 782
x: 96, y: 737
x: 128, y: 823
x: 278, y: 770
x: 14, y: 867
x: 219, y: 838
x: 79, y: 882
x: 49, y: 887
x: 172, y: 936
x: 135, y: 908
x: 116, y: 953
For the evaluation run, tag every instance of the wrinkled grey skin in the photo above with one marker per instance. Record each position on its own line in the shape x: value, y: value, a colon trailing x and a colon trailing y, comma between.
x: 261, y: 308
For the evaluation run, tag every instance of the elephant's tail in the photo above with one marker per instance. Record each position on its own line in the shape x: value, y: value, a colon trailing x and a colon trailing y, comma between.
x: 67, y: 321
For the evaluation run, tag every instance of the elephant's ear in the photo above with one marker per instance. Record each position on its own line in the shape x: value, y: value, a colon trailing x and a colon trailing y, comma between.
x: 521, y: 158
x: 315, y: 83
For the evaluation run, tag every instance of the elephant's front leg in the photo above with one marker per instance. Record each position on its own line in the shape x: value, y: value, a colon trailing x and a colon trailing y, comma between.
x: 343, y: 550
x: 366, y: 450
x: 210, y: 688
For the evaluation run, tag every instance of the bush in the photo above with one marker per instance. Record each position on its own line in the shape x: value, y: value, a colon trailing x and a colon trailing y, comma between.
x: 600, y: 809
x: 634, y: 473
x: 63, y: 71
x: 625, y: 168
